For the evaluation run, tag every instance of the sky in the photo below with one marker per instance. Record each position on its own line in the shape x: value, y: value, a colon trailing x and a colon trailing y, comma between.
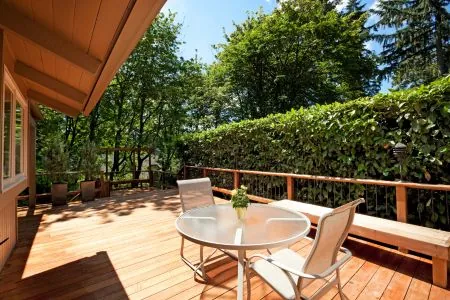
x: 204, y: 22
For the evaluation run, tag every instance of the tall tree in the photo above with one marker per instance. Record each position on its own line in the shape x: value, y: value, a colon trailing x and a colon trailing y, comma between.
x: 156, y: 69
x: 416, y: 47
x: 302, y: 54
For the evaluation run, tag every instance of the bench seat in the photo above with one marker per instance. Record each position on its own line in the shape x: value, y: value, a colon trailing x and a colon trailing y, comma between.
x: 428, y: 241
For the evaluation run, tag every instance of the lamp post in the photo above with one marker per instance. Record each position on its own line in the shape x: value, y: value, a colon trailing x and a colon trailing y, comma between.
x: 400, y: 154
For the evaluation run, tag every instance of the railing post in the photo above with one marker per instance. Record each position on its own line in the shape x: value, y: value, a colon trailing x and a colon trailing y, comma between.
x: 401, y: 199
x: 205, y: 173
x: 185, y: 174
x: 290, y: 187
x: 236, y: 179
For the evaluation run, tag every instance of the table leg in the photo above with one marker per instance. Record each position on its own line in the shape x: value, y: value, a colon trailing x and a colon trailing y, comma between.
x: 241, y: 267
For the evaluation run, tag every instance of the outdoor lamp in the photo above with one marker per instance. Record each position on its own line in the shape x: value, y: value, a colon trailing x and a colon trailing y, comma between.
x: 400, y: 154
x: 399, y: 151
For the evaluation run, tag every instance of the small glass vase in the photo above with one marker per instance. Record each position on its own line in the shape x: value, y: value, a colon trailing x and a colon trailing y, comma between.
x: 241, y: 212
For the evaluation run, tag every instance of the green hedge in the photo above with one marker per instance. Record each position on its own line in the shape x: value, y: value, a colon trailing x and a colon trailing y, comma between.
x: 352, y: 139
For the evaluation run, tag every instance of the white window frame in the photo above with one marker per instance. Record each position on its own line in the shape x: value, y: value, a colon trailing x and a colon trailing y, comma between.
x: 18, y: 98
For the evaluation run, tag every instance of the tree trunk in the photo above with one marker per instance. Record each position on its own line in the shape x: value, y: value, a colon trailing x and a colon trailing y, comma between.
x: 118, y: 138
x: 440, y: 51
x: 93, y: 123
x: 140, y: 160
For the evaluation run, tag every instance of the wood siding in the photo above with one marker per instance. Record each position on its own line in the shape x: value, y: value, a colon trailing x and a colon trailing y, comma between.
x: 8, y: 229
x: 8, y: 219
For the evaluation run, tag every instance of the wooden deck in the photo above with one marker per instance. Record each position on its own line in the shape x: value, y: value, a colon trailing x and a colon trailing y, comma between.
x: 127, y: 247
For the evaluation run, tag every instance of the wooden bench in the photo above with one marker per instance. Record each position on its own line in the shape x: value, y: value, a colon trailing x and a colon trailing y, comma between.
x: 428, y: 241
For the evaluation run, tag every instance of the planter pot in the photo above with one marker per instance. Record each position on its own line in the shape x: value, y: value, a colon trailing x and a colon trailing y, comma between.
x: 87, y: 190
x: 59, y: 193
x: 241, y: 212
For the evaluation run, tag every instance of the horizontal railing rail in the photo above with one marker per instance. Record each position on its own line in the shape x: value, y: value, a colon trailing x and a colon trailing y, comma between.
x: 439, y: 187
x: 388, y: 199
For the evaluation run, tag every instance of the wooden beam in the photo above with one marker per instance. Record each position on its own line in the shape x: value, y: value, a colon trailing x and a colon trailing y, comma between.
x: 11, y: 19
x: 49, y: 82
x: 53, y: 103
x: 35, y: 111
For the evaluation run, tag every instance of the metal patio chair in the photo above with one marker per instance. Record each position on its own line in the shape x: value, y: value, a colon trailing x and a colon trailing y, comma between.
x: 195, y: 193
x: 288, y: 273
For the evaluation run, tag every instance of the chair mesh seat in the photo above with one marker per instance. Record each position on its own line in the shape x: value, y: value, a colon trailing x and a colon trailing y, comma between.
x: 275, y: 276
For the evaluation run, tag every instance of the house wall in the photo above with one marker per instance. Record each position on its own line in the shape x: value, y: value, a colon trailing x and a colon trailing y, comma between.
x: 8, y: 194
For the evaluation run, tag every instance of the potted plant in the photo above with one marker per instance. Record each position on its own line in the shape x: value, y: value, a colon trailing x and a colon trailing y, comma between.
x: 56, y: 164
x: 91, y: 168
x: 240, y: 201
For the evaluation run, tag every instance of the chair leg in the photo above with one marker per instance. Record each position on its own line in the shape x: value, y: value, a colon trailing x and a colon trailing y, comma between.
x: 195, y: 268
x: 338, y: 278
x: 247, y: 275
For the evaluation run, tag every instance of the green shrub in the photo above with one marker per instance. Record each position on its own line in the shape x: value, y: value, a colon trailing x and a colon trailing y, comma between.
x: 56, y: 161
x: 90, y: 165
x: 351, y: 139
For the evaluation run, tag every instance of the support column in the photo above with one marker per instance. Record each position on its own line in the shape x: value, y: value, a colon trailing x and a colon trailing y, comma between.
x: 32, y: 163
x: 401, y: 197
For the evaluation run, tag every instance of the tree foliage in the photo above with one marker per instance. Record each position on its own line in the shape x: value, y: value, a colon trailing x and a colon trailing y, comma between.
x: 354, y: 6
x: 301, y: 54
x: 416, y: 47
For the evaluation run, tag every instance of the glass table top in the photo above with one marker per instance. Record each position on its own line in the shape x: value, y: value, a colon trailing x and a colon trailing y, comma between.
x: 264, y: 226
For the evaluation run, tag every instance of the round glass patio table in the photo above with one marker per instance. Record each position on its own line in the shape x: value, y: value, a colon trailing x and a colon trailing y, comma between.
x: 263, y: 227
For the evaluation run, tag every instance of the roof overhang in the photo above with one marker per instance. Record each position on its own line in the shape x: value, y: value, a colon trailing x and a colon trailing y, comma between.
x: 66, y: 52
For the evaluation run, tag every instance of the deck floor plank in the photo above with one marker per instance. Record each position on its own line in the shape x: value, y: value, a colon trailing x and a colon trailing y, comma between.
x: 126, y: 247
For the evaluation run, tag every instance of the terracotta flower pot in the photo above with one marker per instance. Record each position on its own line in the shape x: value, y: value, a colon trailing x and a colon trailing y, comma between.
x: 87, y: 190
x: 59, y: 194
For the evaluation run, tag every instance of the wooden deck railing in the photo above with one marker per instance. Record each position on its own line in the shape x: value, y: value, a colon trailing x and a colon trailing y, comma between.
x: 326, y: 189
x: 154, y: 178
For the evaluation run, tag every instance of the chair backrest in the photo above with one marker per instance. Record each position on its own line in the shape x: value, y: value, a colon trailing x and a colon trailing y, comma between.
x: 332, y: 230
x: 195, y: 193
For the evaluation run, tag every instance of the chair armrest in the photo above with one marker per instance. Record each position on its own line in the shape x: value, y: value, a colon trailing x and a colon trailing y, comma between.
x: 324, y: 274
x: 338, y: 263
x: 282, y: 266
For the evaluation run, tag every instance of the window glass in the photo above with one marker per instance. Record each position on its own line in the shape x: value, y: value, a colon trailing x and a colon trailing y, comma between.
x: 7, y: 133
x: 18, y: 153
